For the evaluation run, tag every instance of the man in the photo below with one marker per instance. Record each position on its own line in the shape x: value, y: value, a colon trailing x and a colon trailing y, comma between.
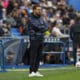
x: 75, y: 36
x: 37, y: 27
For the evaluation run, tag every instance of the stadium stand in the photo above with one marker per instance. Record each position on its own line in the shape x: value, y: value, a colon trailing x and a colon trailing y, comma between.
x: 14, y: 22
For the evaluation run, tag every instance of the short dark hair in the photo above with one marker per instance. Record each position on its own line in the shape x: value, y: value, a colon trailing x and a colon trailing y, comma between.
x: 35, y: 6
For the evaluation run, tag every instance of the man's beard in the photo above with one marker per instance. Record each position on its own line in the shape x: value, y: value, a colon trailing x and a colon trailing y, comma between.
x: 38, y: 15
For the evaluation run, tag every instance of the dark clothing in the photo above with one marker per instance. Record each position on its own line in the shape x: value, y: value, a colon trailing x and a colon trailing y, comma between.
x: 0, y: 12
x: 36, y: 28
x: 75, y: 36
x: 18, y: 21
x: 75, y: 33
x: 35, y: 54
x: 72, y: 15
x: 25, y: 29
x: 10, y: 7
x: 1, y: 32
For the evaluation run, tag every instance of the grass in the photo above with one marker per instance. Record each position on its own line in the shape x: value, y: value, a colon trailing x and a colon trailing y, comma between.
x: 69, y: 73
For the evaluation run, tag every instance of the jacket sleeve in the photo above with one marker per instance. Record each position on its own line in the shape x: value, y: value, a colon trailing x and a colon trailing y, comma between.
x: 35, y: 27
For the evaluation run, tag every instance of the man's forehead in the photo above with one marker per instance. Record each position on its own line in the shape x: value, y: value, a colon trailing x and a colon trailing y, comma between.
x: 38, y: 8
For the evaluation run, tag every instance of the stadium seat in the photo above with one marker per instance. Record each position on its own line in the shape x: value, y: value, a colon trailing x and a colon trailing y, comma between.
x: 15, y: 31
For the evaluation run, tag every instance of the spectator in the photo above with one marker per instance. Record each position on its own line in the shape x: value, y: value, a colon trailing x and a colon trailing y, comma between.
x: 11, y: 20
x: 24, y: 26
x: 56, y: 30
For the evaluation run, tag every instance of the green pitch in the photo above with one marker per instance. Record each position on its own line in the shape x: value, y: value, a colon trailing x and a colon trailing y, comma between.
x: 66, y: 73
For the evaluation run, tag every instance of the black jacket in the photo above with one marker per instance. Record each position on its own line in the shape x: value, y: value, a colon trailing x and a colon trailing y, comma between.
x: 36, y: 27
x: 75, y: 32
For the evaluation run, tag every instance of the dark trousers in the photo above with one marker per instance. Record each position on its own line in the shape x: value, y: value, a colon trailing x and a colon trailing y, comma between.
x: 35, y: 54
x: 75, y: 51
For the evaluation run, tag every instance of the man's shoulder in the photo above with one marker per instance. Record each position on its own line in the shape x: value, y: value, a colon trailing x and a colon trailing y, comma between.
x: 30, y: 15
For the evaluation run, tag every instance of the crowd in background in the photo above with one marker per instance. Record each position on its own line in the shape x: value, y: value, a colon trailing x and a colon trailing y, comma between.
x: 15, y: 13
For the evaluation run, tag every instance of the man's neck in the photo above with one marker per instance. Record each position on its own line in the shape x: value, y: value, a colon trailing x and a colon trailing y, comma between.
x: 36, y: 15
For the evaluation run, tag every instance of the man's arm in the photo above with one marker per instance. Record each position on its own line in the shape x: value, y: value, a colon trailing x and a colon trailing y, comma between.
x: 35, y: 27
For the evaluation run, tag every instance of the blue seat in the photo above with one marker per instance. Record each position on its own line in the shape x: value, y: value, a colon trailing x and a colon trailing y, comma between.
x: 15, y: 31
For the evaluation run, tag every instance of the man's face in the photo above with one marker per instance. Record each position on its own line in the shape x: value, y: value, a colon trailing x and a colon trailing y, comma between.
x: 37, y: 11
